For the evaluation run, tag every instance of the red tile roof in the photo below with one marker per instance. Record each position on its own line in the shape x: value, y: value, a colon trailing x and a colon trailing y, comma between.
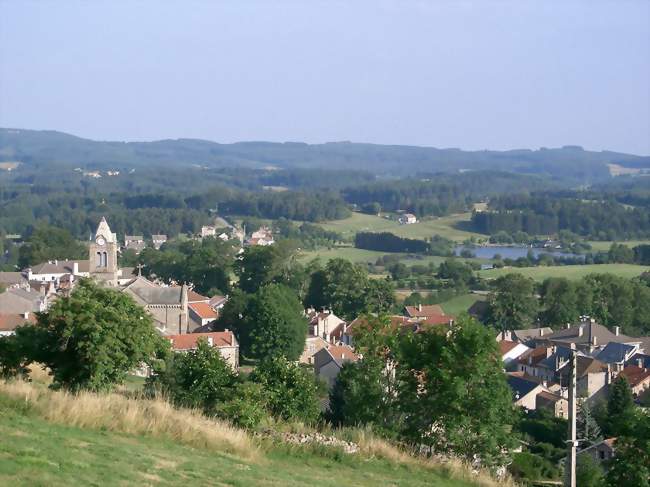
x: 635, y: 375
x: 194, y: 297
x: 505, y: 346
x: 204, y: 311
x: 428, y: 310
x: 189, y: 341
x: 9, y: 322
x: 536, y: 355
x: 340, y: 352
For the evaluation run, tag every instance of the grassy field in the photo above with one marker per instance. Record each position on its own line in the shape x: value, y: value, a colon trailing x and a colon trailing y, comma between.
x: 115, y: 441
x: 605, y: 245
x: 445, y: 226
x: 460, y: 304
x: 569, y: 271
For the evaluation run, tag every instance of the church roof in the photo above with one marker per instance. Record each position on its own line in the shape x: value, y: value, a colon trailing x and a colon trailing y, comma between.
x: 105, y: 231
x: 152, y: 294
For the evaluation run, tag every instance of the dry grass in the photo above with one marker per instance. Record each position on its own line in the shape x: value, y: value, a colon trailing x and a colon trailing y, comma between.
x: 114, y: 412
x: 372, y: 446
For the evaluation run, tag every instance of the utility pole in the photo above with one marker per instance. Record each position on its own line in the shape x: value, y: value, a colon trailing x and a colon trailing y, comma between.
x: 570, y: 477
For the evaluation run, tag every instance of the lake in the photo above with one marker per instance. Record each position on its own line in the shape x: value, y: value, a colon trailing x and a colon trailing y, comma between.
x: 510, y: 252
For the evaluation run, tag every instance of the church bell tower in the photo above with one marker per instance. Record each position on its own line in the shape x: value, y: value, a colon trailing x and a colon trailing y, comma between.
x: 103, y: 255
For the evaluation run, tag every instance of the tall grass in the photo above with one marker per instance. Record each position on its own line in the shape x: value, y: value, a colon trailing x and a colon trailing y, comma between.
x: 114, y: 412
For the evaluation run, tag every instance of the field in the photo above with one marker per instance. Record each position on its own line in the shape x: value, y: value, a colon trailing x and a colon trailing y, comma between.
x: 605, y: 245
x: 445, y: 226
x: 569, y: 271
x: 41, y: 447
x: 460, y: 304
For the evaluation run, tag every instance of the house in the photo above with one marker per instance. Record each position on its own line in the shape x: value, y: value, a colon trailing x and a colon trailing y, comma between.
x: 528, y: 361
x: 208, y: 231
x: 20, y: 301
x: 54, y: 270
x: 201, y: 313
x: 526, y: 336
x: 326, y: 325
x: 617, y: 354
x: 592, y: 377
x: 9, y: 322
x: 167, y: 305
x: 224, y: 341
x: 408, y: 219
x: 329, y: 361
x: 638, y: 378
x: 134, y: 242
x: 589, y: 337
x: 218, y: 302
x: 425, y: 311
x: 14, y: 280
x: 555, y: 403
x: 158, y: 240
x: 511, y: 351
x: 524, y: 391
x: 601, y: 452
x: 313, y: 344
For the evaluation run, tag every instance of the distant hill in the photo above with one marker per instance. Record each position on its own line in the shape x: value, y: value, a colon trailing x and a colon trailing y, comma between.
x: 51, y: 148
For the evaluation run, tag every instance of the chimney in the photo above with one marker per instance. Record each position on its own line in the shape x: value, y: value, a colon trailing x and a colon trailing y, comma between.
x: 639, y: 362
x: 568, y: 325
x: 56, y: 262
x: 541, y: 332
x: 210, y: 341
x: 26, y: 316
x: 617, y: 330
x: 580, y: 331
x: 75, y: 268
x: 420, y: 307
x: 550, y: 351
x: 594, y: 340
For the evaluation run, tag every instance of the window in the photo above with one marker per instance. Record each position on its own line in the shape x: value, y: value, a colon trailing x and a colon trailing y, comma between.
x: 602, y: 455
x: 98, y: 259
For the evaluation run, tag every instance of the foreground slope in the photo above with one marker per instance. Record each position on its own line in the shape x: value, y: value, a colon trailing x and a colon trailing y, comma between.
x: 37, y: 451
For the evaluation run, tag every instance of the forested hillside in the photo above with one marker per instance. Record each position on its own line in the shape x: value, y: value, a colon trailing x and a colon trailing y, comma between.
x: 49, y: 148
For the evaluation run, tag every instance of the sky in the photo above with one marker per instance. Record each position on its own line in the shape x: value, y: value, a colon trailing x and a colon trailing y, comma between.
x: 475, y: 75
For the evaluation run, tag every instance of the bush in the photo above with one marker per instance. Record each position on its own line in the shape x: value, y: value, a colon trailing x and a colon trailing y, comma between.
x: 247, y: 408
x: 528, y: 466
x: 291, y: 393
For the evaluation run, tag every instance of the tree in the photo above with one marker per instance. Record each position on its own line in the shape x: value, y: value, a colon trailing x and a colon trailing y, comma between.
x: 49, y: 243
x: 620, y: 408
x: 588, y: 429
x: 631, y: 464
x: 263, y: 265
x: 513, y: 304
x: 91, y: 339
x: 364, y: 391
x: 199, y: 378
x: 275, y: 325
x: 290, y: 390
x: 453, y: 392
x: 588, y: 472
x: 380, y: 296
x: 559, y: 301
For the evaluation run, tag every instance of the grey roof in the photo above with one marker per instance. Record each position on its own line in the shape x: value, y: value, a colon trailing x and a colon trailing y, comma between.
x: 133, y: 237
x: 561, y: 353
x: 615, y: 353
x: 532, y: 333
x: 152, y: 294
x: 590, y: 330
x: 520, y: 385
x: 12, y: 278
x: 60, y: 267
x: 159, y: 237
x: 20, y: 301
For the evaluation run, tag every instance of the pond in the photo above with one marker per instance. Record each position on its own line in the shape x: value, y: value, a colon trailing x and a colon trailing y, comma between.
x: 510, y: 252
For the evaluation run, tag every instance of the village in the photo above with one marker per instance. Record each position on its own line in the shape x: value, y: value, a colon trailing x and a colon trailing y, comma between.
x: 536, y: 361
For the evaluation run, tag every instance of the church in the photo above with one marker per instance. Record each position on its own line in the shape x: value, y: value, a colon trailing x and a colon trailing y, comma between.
x: 167, y: 305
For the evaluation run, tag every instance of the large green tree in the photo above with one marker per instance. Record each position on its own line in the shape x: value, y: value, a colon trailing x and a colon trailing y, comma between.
x: 620, y: 408
x: 631, y: 464
x: 91, y: 339
x: 290, y: 390
x: 49, y: 243
x: 453, y: 391
x: 513, y: 304
x: 559, y: 301
x: 274, y: 323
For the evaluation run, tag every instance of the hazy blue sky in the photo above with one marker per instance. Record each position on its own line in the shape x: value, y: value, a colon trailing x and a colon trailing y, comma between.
x: 471, y: 74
